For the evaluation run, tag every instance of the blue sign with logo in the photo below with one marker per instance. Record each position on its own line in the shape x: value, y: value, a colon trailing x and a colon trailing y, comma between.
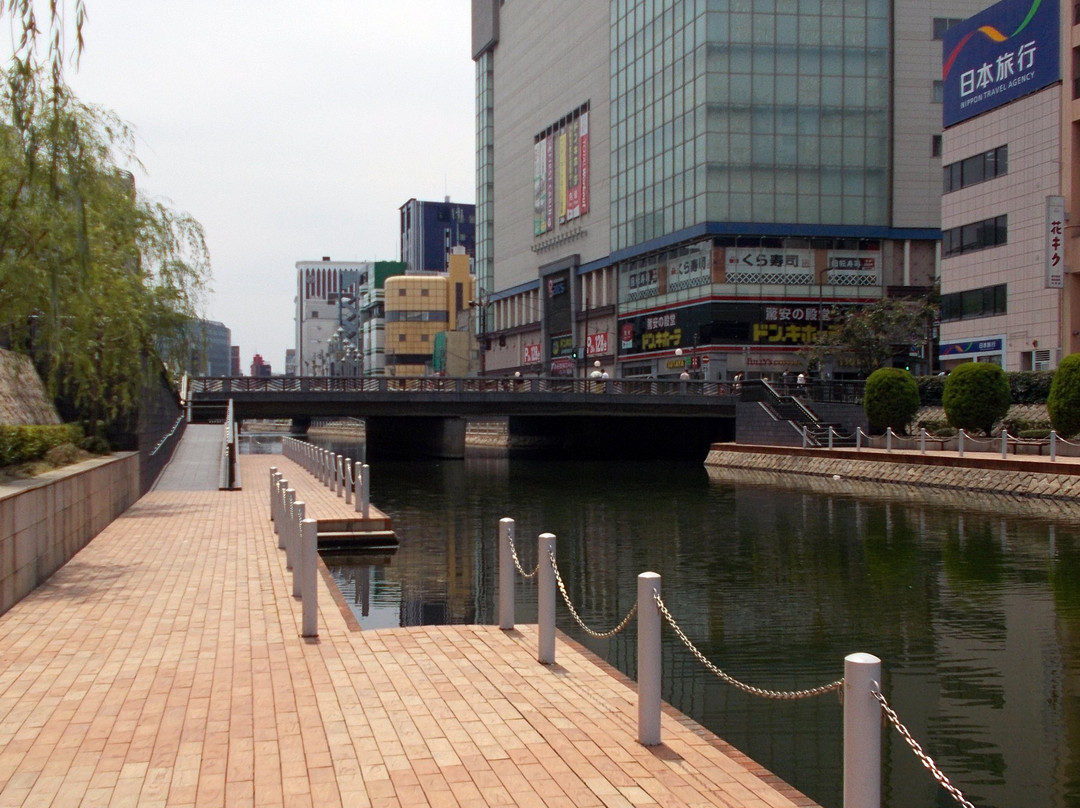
x: 1005, y: 52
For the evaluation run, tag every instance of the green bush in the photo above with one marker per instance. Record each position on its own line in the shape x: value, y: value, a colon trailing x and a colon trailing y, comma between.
x: 95, y: 444
x: 1030, y: 386
x: 1063, y: 403
x: 938, y: 427
x: 18, y: 444
x: 1017, y: 426
x: 930, y: 390
x: 976, y: 396
x: 891, y: 399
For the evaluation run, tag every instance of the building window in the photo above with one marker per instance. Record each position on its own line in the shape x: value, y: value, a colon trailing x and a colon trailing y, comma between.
x: 987, y: 301
x: 425, y: 292
x: 975, y: 236
x: 402, y: 292
x: 424, y: 337
x: 939, y: 91
x: 401, y: 337
x: 943, y: 24
x: 976, y: 169
x: 935, y: 146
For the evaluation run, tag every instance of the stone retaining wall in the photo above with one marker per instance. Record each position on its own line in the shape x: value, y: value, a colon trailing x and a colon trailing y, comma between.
x: 46, y: 520
x: 1037, y: 480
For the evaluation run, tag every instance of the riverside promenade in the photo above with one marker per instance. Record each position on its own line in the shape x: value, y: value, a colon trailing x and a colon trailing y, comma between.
x: 163, y: 666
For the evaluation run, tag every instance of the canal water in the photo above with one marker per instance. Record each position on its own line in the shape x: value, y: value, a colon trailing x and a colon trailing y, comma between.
x: 972, y: 603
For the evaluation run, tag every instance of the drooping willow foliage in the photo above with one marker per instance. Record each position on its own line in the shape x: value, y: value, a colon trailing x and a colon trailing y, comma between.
x: 97, y: 283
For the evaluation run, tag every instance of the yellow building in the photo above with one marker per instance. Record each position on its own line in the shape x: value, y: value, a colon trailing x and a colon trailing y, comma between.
x: 421, y: 306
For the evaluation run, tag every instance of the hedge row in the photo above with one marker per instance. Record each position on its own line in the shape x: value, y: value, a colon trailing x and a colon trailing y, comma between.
x: 1026, y: 386
x: 19, y: 444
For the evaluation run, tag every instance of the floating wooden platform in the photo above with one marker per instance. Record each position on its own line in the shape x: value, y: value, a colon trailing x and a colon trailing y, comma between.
x: 341, y: 527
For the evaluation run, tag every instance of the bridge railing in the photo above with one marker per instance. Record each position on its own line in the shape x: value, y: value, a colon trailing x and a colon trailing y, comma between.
x: 458, y: 385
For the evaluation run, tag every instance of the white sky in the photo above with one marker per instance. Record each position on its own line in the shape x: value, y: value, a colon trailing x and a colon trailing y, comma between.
x: 290, y: 130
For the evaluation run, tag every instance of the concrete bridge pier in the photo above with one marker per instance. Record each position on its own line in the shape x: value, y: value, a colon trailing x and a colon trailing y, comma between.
x: 416, y: 436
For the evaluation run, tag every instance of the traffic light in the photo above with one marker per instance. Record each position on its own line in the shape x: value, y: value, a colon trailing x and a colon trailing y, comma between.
x: 574, y: 353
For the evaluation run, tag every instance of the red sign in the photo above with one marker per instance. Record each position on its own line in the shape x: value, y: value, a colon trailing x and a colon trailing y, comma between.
x: 596, y: 344
x: 532, y: 354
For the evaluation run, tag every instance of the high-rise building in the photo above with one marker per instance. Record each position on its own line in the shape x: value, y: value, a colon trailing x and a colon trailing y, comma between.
x: 339, y: 316
x: 709, y: 179
x: 430, y: 231
x: 1012, y: 128
x: 430, y: 324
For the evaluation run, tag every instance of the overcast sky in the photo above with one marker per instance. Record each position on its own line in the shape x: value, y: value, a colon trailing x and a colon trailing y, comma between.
x: 290, y: 130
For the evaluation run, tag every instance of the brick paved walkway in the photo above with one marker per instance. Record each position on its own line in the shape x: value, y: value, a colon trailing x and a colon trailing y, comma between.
x: 162, y: 666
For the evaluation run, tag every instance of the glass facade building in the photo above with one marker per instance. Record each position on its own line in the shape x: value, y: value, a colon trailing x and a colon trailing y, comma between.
x: 742, y: 162
x: 748, y: 111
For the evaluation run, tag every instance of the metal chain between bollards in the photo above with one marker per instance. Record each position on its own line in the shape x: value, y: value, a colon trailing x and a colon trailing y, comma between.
x: 779, y: 695
x: 600, y: 635
x: 517, y: 561
x: 924, y: 758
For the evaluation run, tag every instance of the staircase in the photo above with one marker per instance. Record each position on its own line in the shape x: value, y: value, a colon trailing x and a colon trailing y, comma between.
x: 795, y: 411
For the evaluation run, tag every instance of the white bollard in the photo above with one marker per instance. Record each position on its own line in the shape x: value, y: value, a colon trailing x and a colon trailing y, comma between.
x: 960, y: 442
x: 650, y: 655
x: 922, y: 440
x: 545, y: 600
x: 858, y: 438
x: 888, y: 439
x: 275, y: 480
x: 1053, y: 445
x: 293, y: 547
x: 358, y: 485
x: 347, y: 480
x: 862, y: 732
x: 506, y: 574
x: 273, y: 471
x: 365, y: 491
x: 287, y: 513
x: 309, y: 560
x: 1004, y: 443
x: 339, y: 474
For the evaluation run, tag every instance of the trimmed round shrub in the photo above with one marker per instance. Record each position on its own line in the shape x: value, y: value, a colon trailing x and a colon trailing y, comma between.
x: 891, y: 399
x: 1063, y: 403
x: 976, y: 396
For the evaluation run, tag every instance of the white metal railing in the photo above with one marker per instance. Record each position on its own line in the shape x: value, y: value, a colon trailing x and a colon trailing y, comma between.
x: 228, y: 472
x: 864, y: 705
x: 346, y: 478
x: 1004, y: 444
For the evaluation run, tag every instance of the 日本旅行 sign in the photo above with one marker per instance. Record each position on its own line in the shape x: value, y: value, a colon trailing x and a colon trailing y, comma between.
x: 1002, y: 53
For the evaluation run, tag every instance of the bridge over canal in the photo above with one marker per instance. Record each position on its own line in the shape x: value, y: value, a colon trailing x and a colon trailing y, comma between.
x: 588, y: 417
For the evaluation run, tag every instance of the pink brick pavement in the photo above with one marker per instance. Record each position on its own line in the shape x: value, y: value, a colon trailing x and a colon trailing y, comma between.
x: 163, y: 666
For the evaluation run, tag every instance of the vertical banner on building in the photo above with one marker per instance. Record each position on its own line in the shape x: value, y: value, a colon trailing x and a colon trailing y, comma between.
x: 583, y: 159
x: 560, y: 176
x: 540, y: 187
x: 573, y: 171
x: 1055, y: 242
x: 549, y: 184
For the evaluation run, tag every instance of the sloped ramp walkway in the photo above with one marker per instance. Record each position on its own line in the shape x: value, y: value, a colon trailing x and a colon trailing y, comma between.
x: 196, y: 461
x: 162, y: 667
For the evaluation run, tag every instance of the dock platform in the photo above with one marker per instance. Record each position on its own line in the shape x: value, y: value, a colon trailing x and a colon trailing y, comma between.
x: 163, y: 666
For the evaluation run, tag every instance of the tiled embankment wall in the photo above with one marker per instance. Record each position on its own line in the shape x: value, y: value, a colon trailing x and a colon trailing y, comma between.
x: 1034, y: 479
x: 46, y: 520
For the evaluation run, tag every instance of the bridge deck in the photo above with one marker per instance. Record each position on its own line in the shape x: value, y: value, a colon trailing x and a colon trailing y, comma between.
x: 163, y: 666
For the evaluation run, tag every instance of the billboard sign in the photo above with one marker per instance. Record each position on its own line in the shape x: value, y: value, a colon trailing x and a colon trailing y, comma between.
x: 1005, y: 52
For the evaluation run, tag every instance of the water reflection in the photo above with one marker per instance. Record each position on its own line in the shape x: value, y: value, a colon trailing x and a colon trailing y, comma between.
x: 972, y: 602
